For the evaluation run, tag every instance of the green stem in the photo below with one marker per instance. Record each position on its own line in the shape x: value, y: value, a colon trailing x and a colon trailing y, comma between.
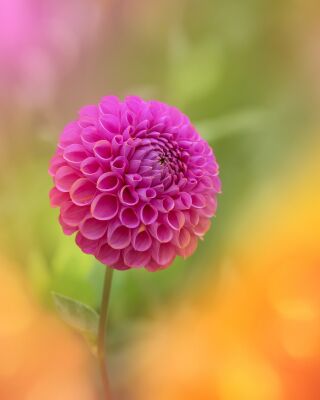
x: 102, y: 332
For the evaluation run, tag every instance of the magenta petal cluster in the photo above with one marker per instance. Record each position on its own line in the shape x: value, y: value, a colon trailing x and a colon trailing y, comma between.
x: 135, y: 181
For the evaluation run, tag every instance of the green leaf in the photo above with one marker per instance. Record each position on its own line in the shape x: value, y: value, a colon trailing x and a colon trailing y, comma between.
x: 78, y: 315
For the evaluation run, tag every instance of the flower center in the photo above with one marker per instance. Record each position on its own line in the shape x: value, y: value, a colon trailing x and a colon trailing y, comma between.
x: 162, y: 159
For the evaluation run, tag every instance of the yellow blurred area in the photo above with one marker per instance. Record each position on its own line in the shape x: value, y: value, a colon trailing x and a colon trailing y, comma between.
x: 258, y: 336
x: 39, y: 358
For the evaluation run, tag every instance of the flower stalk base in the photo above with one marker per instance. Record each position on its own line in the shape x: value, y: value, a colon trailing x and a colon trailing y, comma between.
x: 102, y: 333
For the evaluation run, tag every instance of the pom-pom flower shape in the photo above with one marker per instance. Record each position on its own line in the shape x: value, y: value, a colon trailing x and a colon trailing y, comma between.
x: 135, y: 181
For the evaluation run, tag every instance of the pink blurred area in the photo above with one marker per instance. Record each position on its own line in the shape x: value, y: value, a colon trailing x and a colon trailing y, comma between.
x: 40, y: 43
x: 40, y: 358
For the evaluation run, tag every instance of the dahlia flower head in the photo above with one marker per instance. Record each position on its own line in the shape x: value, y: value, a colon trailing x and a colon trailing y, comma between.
x: 135, y: 181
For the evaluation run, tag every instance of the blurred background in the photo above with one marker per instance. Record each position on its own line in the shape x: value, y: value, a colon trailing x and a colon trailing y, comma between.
x: 239, y: 320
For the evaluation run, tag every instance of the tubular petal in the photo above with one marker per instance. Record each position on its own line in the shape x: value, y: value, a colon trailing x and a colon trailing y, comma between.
x: 105, y: 207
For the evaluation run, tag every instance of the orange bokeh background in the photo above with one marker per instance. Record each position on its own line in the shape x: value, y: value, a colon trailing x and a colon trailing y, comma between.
x: 40, y: 358
x: 257, y: 335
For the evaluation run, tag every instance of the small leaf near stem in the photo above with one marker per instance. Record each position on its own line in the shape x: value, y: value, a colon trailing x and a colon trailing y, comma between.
x: 102, y: 332
x: 79, y: 316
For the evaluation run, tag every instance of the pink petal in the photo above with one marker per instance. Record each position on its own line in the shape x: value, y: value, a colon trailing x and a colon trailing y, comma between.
x: 146, y: 194
x: 211, y: 208
x: 164, y: 205
x: 128, y: 196
x: 57, y: 198
x: 120, y: 265
x: 136, y: 259
x: 90, y: 110
x: 70, y: 135
x: 102, y: 151
x: 198, y: 201
x: 91, y: 168
x: 175, y: 219
x: 105, y: 207
x: 109, y: 182
x: 202, y: 227
x: 182, y: 238
x: 55, y: 163
x: 162, y: 232
x: 67, y: 229
x: 75, y: 154
x: 184, y: 201
x: 163, y: 253
x: 116, y: 144
x: 129, y: 218
x: 119, y: 164
x: 216, y: 184
x: 190, y: 248
x: 82, y: 192
x: 72, y: 214
x: 86, y: 245
x: 93, y: 229
x: 133, y: 179
x: 90, y: 136
x: 110, y: 123
x: 107, y: 255
x: 109, y: 105
x: 148, y: 214
x: 65, y: 177
x: 119, y: 236
x: 141, y: 241
x: 193, y: 216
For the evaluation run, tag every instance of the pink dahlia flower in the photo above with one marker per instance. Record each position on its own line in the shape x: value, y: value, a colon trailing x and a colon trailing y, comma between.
x: 135, y: 181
